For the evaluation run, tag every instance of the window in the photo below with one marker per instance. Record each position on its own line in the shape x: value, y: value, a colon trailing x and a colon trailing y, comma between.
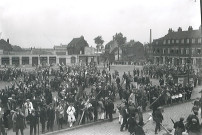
x: 177, y: 41
x: 157, y: 42
x: 168, y: 41
x: 187, y: 51
x: 168, y: 50
x: 172, y: 51
x: 199, y: 51
x: 182, y: 50
x: 187, y: 41
x: 182, y: 41
x: 164, y: 42
x: 154, y: 51
x: 164, y: 51
x: 193, y: 41
x: 158, y: 51
x: 177, y: 50
x: 199, y: 40
x: 173, y: 41
x: 193, y: 50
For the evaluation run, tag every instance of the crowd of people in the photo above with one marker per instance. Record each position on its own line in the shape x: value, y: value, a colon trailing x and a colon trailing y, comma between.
x: 78, y: 94
x: 56, y: 96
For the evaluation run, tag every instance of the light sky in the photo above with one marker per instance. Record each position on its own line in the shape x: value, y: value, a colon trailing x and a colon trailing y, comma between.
x: 45, y: 23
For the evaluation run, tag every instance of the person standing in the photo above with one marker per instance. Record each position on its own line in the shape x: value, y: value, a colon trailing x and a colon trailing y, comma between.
x: 158, y: 118
x: 43, y: 118
x: 179, y: 127
x: 125, y: 114
x: 71, y: 114
x: 19, y: 118
x: 33, y: 122
x: 50, y: 117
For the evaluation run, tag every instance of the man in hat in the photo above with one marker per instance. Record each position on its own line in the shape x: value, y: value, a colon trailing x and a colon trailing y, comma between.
x: 179, y: 127
x: 71, y: 114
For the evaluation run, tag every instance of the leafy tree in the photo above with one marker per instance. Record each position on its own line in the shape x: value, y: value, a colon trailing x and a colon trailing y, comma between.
x: 120, y: 39
x: 99, y: 41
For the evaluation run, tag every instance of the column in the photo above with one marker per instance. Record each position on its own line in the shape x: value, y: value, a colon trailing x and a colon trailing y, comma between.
x: 57, y: 60
x: 67, y: 62
x: 20, y: 60
x: 48, y: 60
x: 163, y: 60
x: 10, y: 60
x: 39, y: 61
x: 30, y: 60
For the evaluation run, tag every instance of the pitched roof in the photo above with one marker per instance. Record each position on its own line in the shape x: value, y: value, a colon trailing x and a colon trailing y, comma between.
x: 5, y: 45
x: 183, y: 34
x: 77, y: 42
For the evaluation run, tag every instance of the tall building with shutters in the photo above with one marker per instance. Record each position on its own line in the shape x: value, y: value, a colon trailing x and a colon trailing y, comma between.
x: 178, y: 47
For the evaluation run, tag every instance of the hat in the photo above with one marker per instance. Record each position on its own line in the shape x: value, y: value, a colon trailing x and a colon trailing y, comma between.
x: 181, y: 119
x: 28, y: 100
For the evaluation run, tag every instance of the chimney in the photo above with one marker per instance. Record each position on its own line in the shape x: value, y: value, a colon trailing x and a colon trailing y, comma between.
x: 170, y: 30
x: 150, y: 40
x: 190, y: 28
x: 179, y: 29
x: 7, y: 40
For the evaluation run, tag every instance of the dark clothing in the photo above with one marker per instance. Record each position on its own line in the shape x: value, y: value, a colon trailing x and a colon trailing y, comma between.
x: 43, y: 118
x: 33, y: 123
x: 179, y: 128
x: 131, y: 125
x: 158, y: 118
x: 125, y: 115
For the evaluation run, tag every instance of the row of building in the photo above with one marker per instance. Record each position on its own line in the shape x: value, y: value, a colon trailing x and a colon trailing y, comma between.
x: 176, y: 48
x: 77, y: 51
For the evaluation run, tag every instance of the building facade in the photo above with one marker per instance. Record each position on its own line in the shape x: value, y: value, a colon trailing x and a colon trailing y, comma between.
x: 177, y: 47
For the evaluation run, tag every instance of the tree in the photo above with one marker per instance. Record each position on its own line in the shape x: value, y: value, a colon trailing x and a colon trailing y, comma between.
x: 99, y: 41
x: 120, y: 39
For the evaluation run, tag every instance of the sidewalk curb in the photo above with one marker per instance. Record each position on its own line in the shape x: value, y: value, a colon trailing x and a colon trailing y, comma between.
x: 106, y: 120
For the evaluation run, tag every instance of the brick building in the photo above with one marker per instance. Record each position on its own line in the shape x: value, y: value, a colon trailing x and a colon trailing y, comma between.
x: 177, y: 47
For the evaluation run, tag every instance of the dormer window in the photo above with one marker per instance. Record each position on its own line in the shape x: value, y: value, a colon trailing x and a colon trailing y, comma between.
x: 193, y: 41
x: 173, y: 41
x: 182, y: 41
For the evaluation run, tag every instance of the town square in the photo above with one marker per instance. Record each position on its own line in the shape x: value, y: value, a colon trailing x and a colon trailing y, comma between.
x: 100, y: 68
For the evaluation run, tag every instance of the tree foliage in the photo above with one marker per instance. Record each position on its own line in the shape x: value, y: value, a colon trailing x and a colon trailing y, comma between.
x: 119, y: 38
x: 98, y: 40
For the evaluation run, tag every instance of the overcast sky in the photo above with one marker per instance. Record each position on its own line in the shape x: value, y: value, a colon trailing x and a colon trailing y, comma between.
x: 45, y: 23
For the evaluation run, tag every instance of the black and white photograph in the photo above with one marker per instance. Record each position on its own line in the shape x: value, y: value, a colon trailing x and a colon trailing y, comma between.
x: 100, y: 67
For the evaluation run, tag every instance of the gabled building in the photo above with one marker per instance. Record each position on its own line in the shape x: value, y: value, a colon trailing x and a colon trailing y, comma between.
x: 129, y: 52
x: 77, y: 46
x: 178, y: 47
x: 5, y: 46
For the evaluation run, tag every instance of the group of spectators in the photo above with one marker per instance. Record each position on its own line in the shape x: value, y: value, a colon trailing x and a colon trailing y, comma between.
x: 56, y: 97
x: 78, y: 94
